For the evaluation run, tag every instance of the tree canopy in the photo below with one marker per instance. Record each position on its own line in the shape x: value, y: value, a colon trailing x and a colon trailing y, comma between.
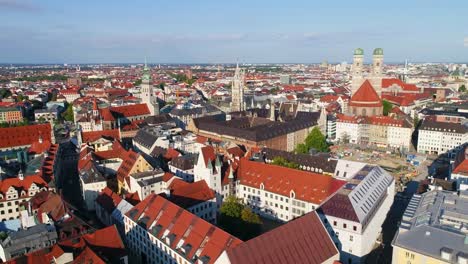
x: 315, y: 140
x: 387, y: 107
x: 68, y: 114
x: 462, y: 89
x: 280, y: 161
x: 239, y: 219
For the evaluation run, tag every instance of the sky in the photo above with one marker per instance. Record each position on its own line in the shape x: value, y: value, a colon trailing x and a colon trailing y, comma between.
x: 224, y: 31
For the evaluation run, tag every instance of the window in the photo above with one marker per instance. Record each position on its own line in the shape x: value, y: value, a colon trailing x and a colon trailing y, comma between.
x: 351, y: 238
x: 344, y: 225
x: 355, y: 228
x: 334, y: 223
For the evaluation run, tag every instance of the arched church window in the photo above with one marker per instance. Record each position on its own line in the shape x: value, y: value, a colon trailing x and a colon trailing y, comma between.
x: 364, y: 112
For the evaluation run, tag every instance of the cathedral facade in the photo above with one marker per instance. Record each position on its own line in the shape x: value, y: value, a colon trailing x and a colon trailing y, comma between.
x: 366, y: 89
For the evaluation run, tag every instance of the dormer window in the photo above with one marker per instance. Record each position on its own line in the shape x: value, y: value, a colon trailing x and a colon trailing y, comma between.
x: 292, y: 194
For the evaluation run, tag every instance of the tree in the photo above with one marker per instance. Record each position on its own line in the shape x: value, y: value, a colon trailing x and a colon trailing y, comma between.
x: 41, y: 119
x: 462, y: 89
x: 280, y: 161
x: 315, y: 140
x: 302, y: 148
x: 250, y: 217
x: 387, y: 107
x: 231, y: 207
x: 68, y: 114
x: 238, y: 219
x: 162, y: 85
x: 137, y: 82
x: 416, y: 121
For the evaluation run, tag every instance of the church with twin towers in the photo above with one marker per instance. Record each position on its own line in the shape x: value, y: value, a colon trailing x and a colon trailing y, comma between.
x: 366, y: 88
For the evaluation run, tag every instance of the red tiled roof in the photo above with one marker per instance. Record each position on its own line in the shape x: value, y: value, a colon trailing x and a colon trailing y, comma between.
x: 108, y: 200
x: 24, y: 135
x: 131, y: 110
x: 236, y: 152
x: 208, y: 153
x: 38, y: 147
x: 365, y: 96
x: 303, y: 240
x: 186, y: 194
x: 90, y: 136
x: 22, y: 184
x: 340, y: 206
x: 171, y: 153
x: 88, y: 256
x: 205, y: 239
x: 405, y: 86
x: 106, y: 114
x: 49, y: 203
x: 307, y: 186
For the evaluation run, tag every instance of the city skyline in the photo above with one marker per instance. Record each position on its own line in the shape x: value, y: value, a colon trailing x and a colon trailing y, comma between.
x: 212, y: 32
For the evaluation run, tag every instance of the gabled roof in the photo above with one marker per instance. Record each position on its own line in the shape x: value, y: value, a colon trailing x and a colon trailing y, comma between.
x: 394, y: 81
x: 24, y: 135
x: 39, y: 146
x: 186, y: 194
x: 24, y: 184
x: 91, y: 136
x: 131, y: 110
x: 366, y: 94
x: 200, y: 238
x: 208, y: 154
x: 303, y: 240
x: 108, y: 200
x: 307, y: 186
x: 340, y: 206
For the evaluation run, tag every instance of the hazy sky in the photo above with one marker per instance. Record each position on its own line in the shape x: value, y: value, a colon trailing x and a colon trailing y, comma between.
x: 196, y: 31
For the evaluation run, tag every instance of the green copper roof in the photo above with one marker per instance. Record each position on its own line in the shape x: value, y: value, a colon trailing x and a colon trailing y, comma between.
x: 378, y: 51
x: 146, y: 73
x: 358, y: 51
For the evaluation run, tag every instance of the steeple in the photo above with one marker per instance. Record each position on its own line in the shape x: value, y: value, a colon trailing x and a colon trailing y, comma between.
x: 237, y: 92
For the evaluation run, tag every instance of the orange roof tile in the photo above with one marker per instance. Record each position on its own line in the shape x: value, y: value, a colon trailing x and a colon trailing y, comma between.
x: 365, y: 95
x: 24, y: 135
x: 307, y: 186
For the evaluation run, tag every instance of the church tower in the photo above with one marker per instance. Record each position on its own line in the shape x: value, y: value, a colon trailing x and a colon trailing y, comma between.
x: 147, y: 92
x: 237, y: 100
x: 377, y: 70
x: 357, y: 70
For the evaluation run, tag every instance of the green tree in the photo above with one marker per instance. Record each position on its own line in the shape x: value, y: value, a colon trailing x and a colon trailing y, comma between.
x: 162, y: 85
x: 416, y: 122
x: 21, y: 98
x: 280, y: 161
x: 462, y: 89
x: 387, y: 107
x: 137, y: 82
x: 41, y: 119
x: 238, y: 219
x: 302, y: 148
x: 315, y: 140
x: 68, y: 114
x: 248, y: 216
x: 4, y: 93
x: 231, y: 207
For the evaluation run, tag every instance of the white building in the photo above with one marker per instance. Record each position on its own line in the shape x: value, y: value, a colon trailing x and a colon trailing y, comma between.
x: 282, y: 193
x: 159, y: 231
x: 15, y: 191
x: 145, y: 183
x: 440, y: 137
x: 355, y: 214
x: 347, y: 129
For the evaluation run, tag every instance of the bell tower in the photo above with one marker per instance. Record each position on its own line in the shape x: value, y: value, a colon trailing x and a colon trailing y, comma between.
x: 147, y: 92
x: 357, y: 70
x: 377, y: 70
